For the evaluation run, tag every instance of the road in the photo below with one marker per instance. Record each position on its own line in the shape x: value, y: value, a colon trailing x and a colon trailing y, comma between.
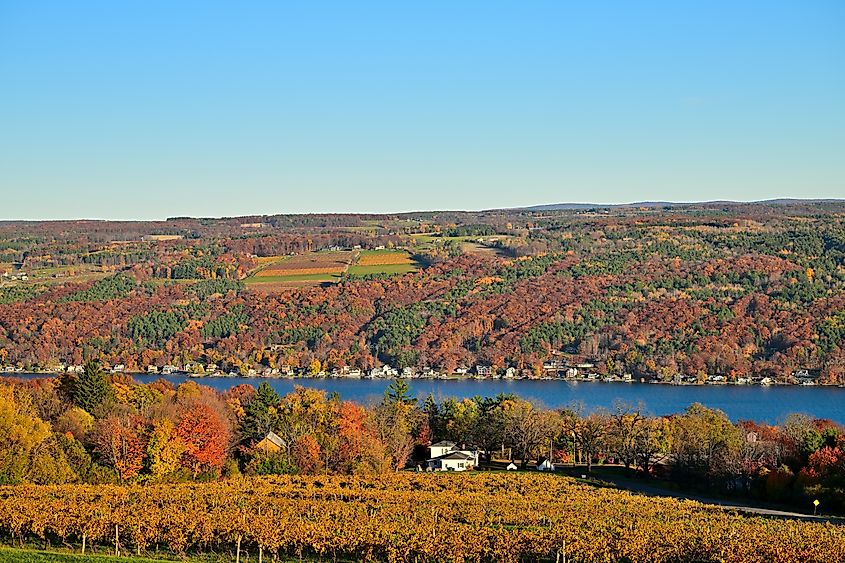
x: 637, y: 486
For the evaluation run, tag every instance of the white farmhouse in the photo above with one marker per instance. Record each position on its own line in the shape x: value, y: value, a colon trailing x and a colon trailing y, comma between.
x: 445, y: 456
x: 441, y: 448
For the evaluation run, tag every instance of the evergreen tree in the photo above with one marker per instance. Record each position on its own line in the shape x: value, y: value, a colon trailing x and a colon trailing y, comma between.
x: 399, y: 392
x: 91, y: 389
x: 432, y: 412
x: 261, y: 413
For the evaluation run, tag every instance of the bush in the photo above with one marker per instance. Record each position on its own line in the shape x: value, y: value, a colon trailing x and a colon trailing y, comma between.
x: 271, y: 464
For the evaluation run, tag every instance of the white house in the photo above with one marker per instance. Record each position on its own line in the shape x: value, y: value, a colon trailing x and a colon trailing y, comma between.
x: 445, y: 456
x: 441, y: 448
x: 384, y: 371
x: 483, y: 371
x: 453, y: 461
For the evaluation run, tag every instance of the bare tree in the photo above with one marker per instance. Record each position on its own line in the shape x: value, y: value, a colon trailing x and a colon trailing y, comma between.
x: 528, y: 427
x: 626, y: 424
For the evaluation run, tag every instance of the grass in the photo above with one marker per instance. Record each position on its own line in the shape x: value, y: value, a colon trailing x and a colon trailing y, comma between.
x: 401, y: 258
x: 13, y: 555
x: 382, y: 269
x: 18, y: 555
x: 481, y: 249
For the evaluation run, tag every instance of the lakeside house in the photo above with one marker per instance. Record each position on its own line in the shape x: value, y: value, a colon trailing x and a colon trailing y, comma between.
x: 555, y: 365
x: 445, y: 456
x: 384, y: 371
x: 483, y: 371
x: 806, y: 376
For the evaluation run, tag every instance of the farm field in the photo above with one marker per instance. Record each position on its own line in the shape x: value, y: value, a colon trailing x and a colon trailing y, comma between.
x: 317, y: 268
x: 58, y: 275
x: 384, y: 261
x: 306, y: 270
x: 308, y: 264
x: 382, y: 269
x: 474, y: 247
x: 468, y: 244
x: 507, y: 517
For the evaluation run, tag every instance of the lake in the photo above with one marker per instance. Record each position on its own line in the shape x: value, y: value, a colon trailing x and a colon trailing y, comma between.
x: 763, y: 404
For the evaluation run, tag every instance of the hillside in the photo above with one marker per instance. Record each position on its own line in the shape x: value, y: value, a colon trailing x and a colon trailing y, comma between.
x: 740, y: 292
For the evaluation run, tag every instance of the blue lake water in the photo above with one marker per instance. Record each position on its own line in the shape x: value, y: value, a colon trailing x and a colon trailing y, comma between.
x: 763, y: 404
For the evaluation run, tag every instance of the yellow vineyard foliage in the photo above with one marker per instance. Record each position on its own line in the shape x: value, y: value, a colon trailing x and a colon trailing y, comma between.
x: 411, y: 517
x: 384, y: 259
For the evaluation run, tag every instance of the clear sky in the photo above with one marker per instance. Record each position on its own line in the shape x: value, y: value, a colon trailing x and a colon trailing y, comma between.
x: 149, y: 109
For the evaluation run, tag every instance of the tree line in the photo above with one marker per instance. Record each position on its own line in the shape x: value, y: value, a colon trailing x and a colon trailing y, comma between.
x: 99, y: 428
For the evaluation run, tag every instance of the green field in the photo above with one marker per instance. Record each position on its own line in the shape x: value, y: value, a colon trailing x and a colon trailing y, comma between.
x: 9, y: 555
x: 382, y: 269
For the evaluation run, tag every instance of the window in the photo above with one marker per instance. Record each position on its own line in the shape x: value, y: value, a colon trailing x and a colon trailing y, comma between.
x: 460, y: 466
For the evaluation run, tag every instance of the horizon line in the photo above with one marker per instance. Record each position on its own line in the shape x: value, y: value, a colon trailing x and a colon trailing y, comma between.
x: 560, y: 206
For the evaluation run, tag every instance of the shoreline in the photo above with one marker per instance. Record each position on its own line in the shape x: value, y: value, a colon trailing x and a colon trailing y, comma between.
x: 218, y: 375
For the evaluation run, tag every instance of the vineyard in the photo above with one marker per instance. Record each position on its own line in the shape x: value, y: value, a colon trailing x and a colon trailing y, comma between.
x: 383, y: 257
x: 312, y: 263
x: 306, y: 270
x: 383, y: 262
x: 405, y: 517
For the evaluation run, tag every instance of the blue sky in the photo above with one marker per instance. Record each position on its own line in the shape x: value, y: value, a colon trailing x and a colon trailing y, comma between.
x: 159, y: 108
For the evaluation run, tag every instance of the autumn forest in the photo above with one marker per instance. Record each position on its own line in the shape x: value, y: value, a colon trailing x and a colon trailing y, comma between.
x: 737, y: 291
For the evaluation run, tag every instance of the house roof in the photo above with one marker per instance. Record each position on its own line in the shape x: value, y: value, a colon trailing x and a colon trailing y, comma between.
x: 274, y: 438
x: 443, y: 444
x: 460, y: 456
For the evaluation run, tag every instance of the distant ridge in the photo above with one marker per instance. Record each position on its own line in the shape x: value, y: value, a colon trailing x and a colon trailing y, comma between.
x: 577, y: 206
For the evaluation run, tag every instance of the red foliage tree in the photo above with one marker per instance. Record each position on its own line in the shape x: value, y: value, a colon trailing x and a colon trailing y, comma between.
x: 206, y: 433
x: 120, y: 442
